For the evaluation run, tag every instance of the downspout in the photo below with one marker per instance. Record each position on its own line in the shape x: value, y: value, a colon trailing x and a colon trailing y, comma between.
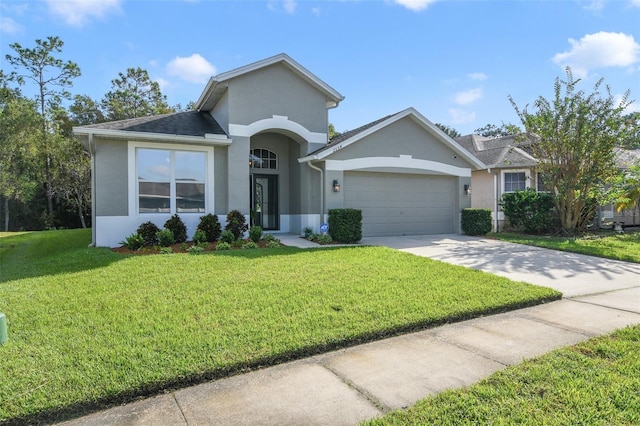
x: 495, y: 193
x: 92, y: 151
x: 321, y: 189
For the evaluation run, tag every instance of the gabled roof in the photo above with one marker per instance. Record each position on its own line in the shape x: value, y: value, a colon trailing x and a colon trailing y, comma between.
x: 186, y: 125
x: 217, y: 85
x: 505, y: 152
x: 355, y: 135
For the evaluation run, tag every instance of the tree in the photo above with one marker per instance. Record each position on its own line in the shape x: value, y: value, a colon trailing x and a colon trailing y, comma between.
x: 134, y: 95
x: 633, y: 141
x: 450, y: 131
x: 493, y: 131
x: 575, y: 136
x: 332, y: 131
x: 73, y: 174
x: 19, y: 171
x: 51, y: 76
x: 85, y: 110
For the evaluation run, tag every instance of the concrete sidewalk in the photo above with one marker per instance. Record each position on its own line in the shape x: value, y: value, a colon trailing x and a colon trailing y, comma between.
x: 347, y: 386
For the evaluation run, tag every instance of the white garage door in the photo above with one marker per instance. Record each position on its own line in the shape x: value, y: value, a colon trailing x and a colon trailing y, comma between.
x: 401, y: 204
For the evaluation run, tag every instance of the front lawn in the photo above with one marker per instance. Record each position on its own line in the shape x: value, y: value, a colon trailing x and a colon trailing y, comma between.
x: 611, y: 246
x: 596, y: 382
x: 89, y: 327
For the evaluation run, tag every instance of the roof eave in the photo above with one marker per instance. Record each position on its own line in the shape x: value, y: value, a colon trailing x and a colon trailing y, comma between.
x: 208, y: 138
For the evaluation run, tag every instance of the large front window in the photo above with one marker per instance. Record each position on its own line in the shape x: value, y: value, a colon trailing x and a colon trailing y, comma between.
x: 171, y: 181
x: 516, y: 181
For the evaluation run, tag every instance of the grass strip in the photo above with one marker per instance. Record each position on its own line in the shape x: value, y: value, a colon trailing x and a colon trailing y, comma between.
x: 594, y: 382
x: 89, y: 327
x: 611, y: 246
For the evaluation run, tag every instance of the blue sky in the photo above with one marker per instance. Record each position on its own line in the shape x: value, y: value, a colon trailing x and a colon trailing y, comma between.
x: 455, y: 61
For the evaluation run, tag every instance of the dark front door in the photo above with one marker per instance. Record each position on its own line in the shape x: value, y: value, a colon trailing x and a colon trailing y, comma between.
x: 264, y: 201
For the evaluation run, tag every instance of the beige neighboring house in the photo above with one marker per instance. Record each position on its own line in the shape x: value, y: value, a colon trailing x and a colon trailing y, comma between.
x: 510, y: 167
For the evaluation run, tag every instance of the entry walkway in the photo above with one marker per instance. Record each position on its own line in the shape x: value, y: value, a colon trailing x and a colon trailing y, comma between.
x: 347, y: 386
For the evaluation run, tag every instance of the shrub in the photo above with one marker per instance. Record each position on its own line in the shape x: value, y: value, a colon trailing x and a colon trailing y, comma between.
x: 269, y: 237
x: 223, y: 246
x: 250, y: 245
x: 307, y: 232
x: 529, y: 210
x: 183, y: 246
x: 322, y: 239
x: 199, y: 237
x: 236, y: 224
x: 227, y: 237
x: 195, y: 250
x: 345, y: 225
x: 476, y: 221
x: 165, y: 237
x: 177, y: 226
x: 210, y: 225
x: 166, y: 250
x: 255, y: 234
x: 273, y: 244
x: 133, y: 242
x: 148, y: 231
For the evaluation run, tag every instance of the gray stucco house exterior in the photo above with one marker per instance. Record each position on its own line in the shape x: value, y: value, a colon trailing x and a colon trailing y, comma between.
x: 257, y: 142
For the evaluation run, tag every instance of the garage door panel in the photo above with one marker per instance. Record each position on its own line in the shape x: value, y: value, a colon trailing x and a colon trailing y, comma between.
x: 401, y: 204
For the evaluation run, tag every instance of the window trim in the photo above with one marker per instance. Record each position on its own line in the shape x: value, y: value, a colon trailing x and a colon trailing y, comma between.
x: 133, y: 186
x: 527, y: 178
x: 275, y: 155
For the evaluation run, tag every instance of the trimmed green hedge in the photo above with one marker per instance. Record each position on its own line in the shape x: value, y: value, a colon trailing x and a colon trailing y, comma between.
x: 345, y: 225
x: 476, y: 221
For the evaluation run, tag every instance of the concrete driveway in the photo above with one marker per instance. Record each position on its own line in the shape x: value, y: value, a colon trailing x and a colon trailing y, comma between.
x: 572, y: 274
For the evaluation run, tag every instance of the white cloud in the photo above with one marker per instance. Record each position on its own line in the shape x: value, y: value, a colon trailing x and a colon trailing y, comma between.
x: 415, y: 5
x: 9, y: 26
x: 459, y: 116
x: 289, y: 6
x: 79, y: 12
x: 599, y: 50
x: 477, y: 76
x: 594, y: 6
x: 194, y: 68
x: 162, y: 83
x: 635, y: 3
x: 632, y: 107
x: 468, y: 96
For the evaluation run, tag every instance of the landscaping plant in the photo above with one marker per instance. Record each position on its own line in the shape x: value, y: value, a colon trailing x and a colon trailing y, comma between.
x: 345, y: 225
x: 255, y: 234
x: 236, y: 223
x: 148, y: 231
x: 210, y: 225
x: 165, y: 237
x: 177, y: 226
x: 476, y: 221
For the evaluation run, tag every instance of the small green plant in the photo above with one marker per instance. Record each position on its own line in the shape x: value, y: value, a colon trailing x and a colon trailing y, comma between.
x: 307, y: 232
x: 227, y: 237
x: 195, y: 250
x: 250, y: 245
x: 199, y: 237
x: 165, y: 237
x: 223, y: 246
x: 255, y: 233
x: 177, y: 226
x: 323, y: 239
x: 203, y: 244
x: 133, y: 242
x: 236, y: 223
x: 166, y: 250
x: 148, y: 231
x: 237, y: 243
x: 273, y: 244
x: 210, y: 225
x: 269, y: 237
x: 183, y: 247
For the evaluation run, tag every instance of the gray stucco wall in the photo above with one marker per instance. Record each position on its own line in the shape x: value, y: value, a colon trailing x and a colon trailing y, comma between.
x: 276, y: 90
x: 238, y: 175
x: 404, y: 137
x: 220, y: 181
x: 221, y: 112
x: 111, y: 169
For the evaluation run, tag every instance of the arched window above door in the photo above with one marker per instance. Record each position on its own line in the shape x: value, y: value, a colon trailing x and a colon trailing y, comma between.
x: 260, y: 158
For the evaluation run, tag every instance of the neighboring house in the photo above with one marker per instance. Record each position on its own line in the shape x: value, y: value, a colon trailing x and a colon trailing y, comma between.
x: 511, y: 167
x: 257, y: 142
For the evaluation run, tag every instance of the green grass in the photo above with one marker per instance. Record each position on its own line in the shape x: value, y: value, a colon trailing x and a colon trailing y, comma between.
x: 89, y: 327
x: 611, y: 246
x: 596, y: 382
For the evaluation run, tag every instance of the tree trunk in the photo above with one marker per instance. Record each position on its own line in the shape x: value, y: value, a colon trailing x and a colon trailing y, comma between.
x: 84, y: 224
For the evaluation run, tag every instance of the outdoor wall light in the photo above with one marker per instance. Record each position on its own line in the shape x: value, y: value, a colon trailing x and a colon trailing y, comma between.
x: 467, y: 189
x: 336, y: 185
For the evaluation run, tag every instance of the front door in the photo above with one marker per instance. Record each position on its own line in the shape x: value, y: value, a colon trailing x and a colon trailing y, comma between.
x: 264, y: 201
